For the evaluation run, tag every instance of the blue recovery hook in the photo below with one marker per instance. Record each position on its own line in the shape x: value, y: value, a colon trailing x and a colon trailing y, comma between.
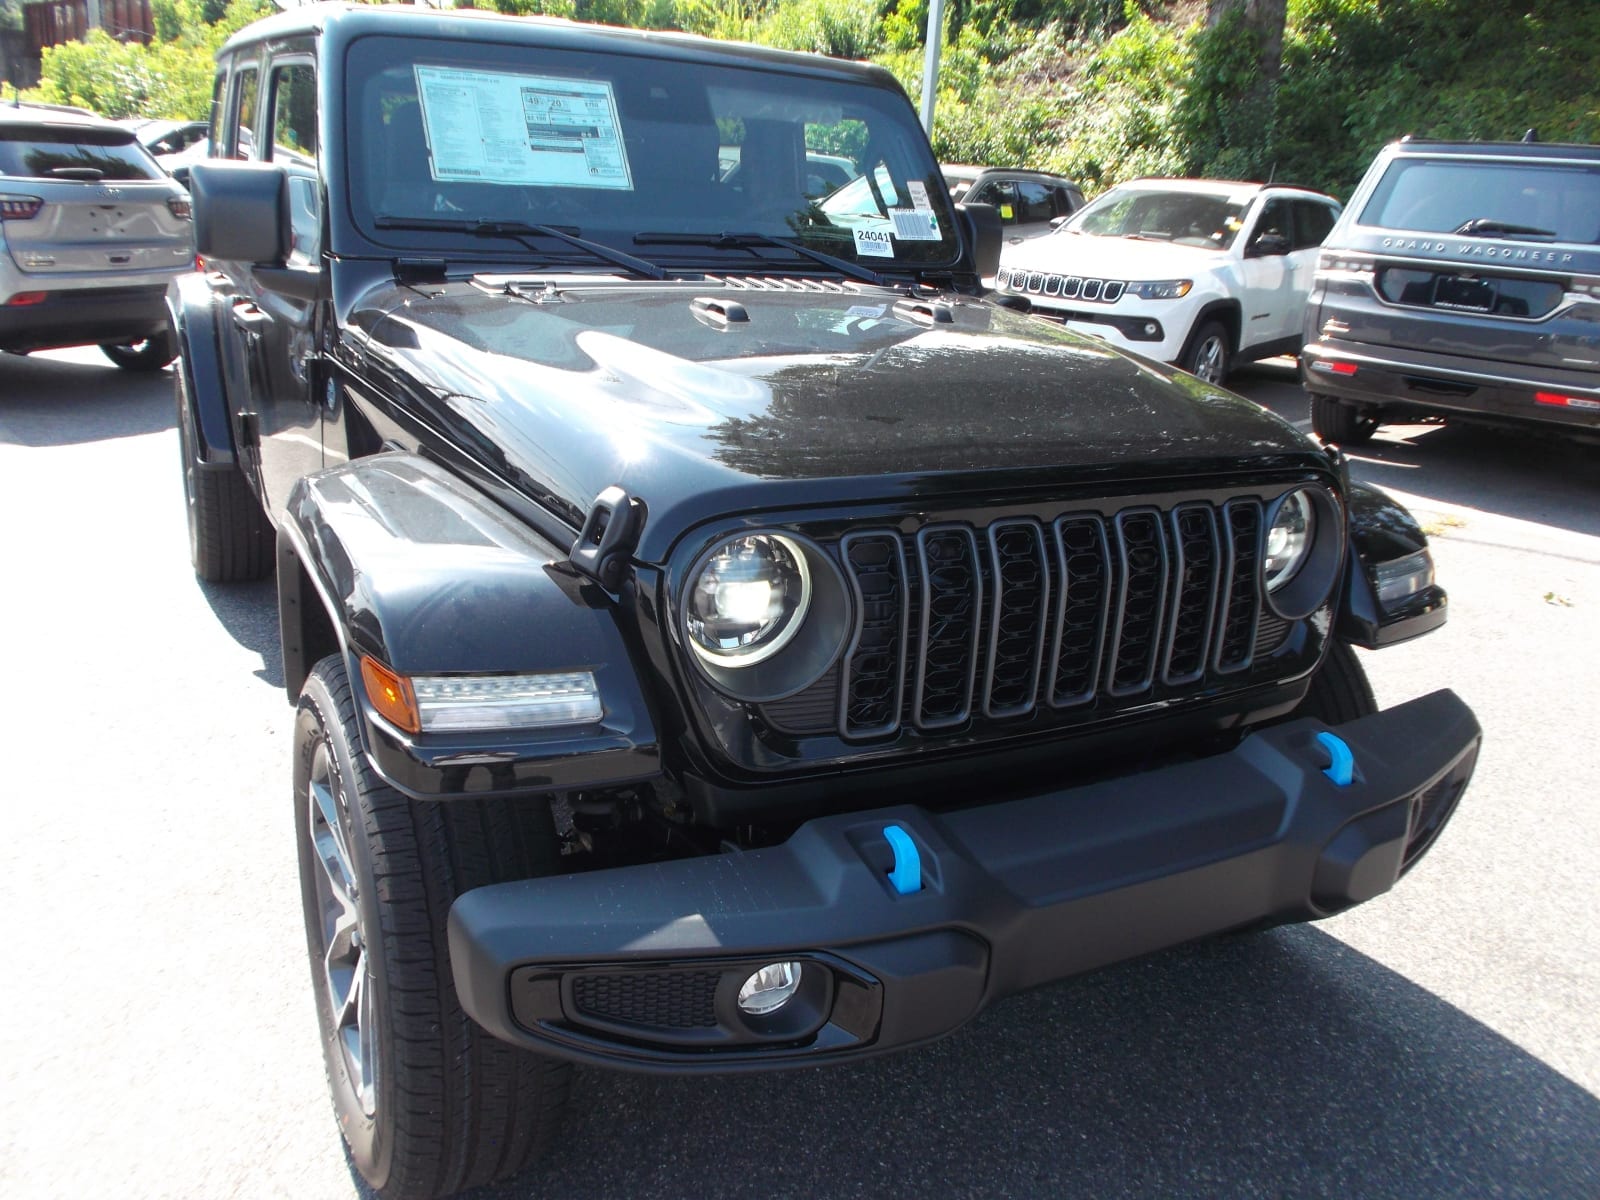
x: 1342, y: 768
x: 907, y: 874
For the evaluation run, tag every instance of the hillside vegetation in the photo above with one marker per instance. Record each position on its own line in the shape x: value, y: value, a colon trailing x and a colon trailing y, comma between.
x: 1100, y: 90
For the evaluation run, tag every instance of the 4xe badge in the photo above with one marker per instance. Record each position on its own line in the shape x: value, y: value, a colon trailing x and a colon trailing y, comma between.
x: 874, y: 243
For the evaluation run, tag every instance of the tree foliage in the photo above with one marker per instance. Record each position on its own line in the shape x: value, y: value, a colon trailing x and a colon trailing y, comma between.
x: 170, y: 77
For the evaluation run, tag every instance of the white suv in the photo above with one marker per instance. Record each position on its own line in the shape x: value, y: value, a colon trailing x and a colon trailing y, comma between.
x: 1196, y: 272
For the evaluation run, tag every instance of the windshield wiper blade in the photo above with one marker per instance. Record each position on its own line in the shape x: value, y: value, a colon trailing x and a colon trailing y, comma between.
x: 748, y: 241
x: 521, y: 231
x: 1489, y: 227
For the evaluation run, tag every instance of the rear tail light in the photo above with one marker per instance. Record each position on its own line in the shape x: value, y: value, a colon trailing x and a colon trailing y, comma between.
x: 180, y: 206
x: 1350, y: 264
x: 19, y: 208
x: 1557, y: 400
x: 25, y: 298
x: 1333, y: 367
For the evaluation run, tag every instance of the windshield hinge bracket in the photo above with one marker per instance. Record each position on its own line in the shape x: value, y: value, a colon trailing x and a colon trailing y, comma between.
x: 609, y: 536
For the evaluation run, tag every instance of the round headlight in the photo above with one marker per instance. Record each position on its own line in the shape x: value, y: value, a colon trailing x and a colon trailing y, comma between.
x: 748, y: 599
x: 1289, y: 540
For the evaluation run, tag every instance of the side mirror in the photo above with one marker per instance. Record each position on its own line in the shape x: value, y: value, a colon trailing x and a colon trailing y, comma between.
x: 1268, y: 245
x: 984, y: 231
x: 241, y: 211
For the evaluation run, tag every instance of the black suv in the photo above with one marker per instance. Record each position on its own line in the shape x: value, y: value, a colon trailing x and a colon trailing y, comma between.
x: 1463, y: 281
x: 723, y: 639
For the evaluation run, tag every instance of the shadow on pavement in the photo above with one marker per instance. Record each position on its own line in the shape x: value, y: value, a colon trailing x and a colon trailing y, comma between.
x: 249, y: 613
x: 46, y: 401
x: 1285, y: 1064
x: 1525, y: 474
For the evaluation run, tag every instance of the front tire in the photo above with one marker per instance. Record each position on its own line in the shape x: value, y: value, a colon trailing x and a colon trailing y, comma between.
x: 230, y: 538
x: 429, y: 1104
x: 1209, y: 354
x: 1333, y: 420
x: 150, y: 354
x: 1339, y: 690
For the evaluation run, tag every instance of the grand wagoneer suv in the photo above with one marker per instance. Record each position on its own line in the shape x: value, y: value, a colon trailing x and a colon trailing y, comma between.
x: 1463, y: 283
x: 722, y: 638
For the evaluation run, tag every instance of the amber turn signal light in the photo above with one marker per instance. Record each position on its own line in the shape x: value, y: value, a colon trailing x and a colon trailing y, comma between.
x: 391, y: 695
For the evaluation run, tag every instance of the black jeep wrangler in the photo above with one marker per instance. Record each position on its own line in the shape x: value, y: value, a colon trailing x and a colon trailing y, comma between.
x: 723, y: 638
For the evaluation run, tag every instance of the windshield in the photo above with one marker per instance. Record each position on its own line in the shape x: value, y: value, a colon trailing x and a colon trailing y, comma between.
x: 1547, y: 201
x: 1205, y: 219
x: 610, y: 147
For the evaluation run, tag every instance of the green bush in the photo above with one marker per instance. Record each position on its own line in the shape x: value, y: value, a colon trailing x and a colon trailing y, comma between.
x: 171, y: 77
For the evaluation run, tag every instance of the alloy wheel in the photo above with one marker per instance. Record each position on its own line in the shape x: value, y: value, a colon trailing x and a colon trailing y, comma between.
x: 348, y: 990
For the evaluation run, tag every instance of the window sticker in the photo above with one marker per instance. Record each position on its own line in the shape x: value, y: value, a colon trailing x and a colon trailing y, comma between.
x: 493, y: 127
x: 874, y: 243
x: 915, y: 225
x: 919, y: 194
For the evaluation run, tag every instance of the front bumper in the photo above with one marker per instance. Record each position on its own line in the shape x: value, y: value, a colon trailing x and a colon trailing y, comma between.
x: 1414, y: 381
x: 640, y: 966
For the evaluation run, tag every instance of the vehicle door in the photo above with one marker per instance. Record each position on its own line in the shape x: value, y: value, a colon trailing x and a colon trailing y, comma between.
x: 230, y: 282
x: 1313, y: 221
x: 278, y: 323
x: 1272, y: 308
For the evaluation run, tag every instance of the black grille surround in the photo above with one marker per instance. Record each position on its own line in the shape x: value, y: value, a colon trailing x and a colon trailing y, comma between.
x: 981, y: 627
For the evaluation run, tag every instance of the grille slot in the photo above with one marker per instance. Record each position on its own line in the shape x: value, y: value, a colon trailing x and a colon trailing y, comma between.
x: 875, y: 664
x: 1241, y: 602
x: 1141, y: 561
x: 1194, y: 592
x: 1017, y: 624
x: 1082, y: 611
x: 649, y: 999
x: 952, y: 602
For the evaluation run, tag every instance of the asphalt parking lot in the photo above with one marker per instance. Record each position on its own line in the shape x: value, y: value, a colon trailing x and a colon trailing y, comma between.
x: 1443, y: 1041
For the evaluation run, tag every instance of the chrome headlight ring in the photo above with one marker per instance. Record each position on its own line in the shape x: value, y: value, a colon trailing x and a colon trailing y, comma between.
x: 764, y: 613
x: 1303, y: 551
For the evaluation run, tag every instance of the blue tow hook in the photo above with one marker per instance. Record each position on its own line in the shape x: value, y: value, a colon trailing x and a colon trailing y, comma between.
x: 907, y: 874
x: 1342, y: 768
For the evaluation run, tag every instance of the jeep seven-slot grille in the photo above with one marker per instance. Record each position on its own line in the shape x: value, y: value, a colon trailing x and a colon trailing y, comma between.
x: 958, y: 622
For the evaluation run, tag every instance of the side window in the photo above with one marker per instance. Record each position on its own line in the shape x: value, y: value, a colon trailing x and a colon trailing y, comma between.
x: 216, y: 115
x: 1274, y: 222
x: 294, y: 144
x: 239, y: 136
x: 1033, y: 202
x: 1002, y: 193
x: 294, y: 113
x: 1313, y: 221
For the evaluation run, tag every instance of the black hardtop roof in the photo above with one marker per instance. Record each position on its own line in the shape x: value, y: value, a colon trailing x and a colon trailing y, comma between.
x: 1567, y: 150
x: 403, y: 20
x: 1029, y: 172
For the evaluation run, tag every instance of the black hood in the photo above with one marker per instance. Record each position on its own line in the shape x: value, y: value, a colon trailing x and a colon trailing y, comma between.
x: 702, y: 399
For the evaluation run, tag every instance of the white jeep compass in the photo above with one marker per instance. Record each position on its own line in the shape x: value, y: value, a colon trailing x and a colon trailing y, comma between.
x: 1196, y: 272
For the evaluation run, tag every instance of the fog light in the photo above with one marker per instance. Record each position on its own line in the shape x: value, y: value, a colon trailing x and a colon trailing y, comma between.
x: 770, y: 988
x: 1151, y: 328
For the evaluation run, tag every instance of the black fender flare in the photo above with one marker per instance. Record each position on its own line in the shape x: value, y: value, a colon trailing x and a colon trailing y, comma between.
x: 1381, y: 530
x: 393, y: 557
x: 192, y: 312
